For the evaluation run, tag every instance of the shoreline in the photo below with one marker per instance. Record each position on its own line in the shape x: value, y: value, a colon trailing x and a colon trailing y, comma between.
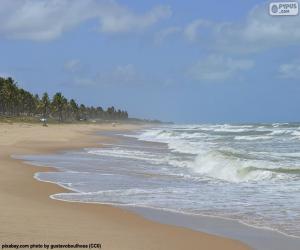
x: 29, y: 215
x: 254, y: 236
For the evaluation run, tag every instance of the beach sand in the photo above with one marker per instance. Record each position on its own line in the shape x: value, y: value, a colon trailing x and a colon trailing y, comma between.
x: 29, y: 216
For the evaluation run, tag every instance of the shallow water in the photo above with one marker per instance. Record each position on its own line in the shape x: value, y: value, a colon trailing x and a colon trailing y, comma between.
x: 247, y: 172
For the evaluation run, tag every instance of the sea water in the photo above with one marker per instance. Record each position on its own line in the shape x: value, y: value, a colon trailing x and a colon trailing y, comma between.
x: 246, y: 172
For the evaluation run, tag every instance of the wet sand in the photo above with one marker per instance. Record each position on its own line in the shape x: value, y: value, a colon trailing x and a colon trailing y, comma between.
x: 256, y: 238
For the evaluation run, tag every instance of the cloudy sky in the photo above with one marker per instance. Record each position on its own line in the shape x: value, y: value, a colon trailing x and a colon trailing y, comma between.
x: 184, y: 61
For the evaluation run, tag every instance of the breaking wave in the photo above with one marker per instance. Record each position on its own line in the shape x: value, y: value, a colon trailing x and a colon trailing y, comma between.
x: 228, y: 152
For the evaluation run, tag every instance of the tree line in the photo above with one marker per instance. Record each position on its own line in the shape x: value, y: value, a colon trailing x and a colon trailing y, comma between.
x: 15, y: 101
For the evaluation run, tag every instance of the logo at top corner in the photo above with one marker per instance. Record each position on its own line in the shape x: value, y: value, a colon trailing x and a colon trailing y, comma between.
x: 284, y: 8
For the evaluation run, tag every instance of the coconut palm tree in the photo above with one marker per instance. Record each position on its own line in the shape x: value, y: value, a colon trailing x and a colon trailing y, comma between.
x: 18, y: 101
x: 9, y: 94
x: 75, y: 109
x: 58, y: 104
x: 44, y: 105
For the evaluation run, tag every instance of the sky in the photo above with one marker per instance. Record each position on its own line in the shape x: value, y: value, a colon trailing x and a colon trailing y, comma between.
x: 181, y: 61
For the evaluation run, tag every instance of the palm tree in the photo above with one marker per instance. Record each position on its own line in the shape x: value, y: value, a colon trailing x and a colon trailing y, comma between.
x: 75, y: 109
x: 30, y: 104
x: 58, y: 104
x: 111, y: 112
x: 9, y: 94
x: 18, y: 101
x: 45, y: 105
x: 1, y: 95
x: 82, y: 110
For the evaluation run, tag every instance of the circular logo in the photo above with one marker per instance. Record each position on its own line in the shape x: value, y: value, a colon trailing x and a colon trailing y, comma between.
x: 274, y: 8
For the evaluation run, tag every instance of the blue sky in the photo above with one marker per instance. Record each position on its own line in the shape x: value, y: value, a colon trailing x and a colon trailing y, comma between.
x: 183, y: 61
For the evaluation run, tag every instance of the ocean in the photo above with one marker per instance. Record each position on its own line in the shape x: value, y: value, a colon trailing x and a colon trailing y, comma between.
x: 246, y: 172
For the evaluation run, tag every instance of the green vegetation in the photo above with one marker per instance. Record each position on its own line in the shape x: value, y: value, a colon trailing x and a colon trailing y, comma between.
x: 20, y: 104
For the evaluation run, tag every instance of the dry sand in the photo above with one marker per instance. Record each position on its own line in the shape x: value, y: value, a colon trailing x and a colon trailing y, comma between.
x: 29, y: 216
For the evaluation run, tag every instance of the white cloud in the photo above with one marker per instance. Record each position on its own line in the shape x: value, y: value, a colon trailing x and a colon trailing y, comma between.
x: 119, y: 75
x: 48, y: 19
x: 72, y: 65
x: 290, y: 70
x: 125, y: 72
x: 42, y: 20
x: 120, y: 19
x: 165, y: 33
x: 191, y: 31
x: 259, y: 31
x: 218, y: 68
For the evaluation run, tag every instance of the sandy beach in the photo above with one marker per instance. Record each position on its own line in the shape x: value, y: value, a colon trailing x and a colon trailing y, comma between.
x: 29, y: 216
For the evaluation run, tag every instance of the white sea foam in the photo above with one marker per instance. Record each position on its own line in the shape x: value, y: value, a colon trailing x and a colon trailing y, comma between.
x: 210, y: 162
x: 231, y: 130
x: 252, y: 138
x: 129, y: 154
x: 233, y: 170
x: 296, y: 134
x: 280, y: 132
